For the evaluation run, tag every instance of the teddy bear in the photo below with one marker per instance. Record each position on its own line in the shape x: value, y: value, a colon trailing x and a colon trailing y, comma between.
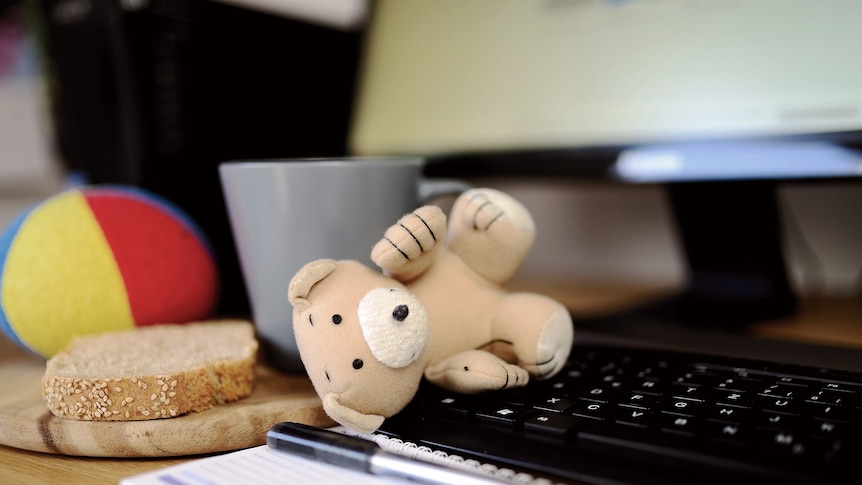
x: 437, y: 309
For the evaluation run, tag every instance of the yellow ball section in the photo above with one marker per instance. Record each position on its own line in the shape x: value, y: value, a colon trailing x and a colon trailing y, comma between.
x: 61, y: 278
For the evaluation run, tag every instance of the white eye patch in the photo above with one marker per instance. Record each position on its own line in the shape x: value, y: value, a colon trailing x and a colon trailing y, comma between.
x: 394, y: 324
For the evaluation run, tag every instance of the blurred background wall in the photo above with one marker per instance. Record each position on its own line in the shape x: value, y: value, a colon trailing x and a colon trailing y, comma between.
x: 598, y: 232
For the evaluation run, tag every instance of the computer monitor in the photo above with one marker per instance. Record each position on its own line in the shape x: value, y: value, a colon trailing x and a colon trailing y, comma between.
x: 717, y: 101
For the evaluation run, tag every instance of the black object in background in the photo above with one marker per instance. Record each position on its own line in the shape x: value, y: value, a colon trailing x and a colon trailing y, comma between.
x: 157, y: 93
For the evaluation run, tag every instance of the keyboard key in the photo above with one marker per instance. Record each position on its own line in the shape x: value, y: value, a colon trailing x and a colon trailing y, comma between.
x: 833, y: 413
x: 639, y: 399
x: 452, y: 403
x: 649, y: 385
x: 731, y: 433
x: 698, y: 378
x: 682, y: 407
x: 741, y: 382
x: 779, y: 404
x: 553, y: 403
x: 679, y: 425
x: 597, y: 394
x: 633, y: 415
x: 829, y: 429
x: 688, y: 391
x: 590, y: 409
x: 732, y: 397
x: 506, y: 416
x: 553, y: 424
x: 773, y: 420
x: 843, y: 387
x: 727, y: 414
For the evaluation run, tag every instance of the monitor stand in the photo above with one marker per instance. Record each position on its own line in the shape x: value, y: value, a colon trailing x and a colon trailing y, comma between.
x: 730, y: 234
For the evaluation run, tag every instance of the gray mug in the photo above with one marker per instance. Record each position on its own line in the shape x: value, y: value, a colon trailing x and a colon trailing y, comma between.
x: 285, y: 213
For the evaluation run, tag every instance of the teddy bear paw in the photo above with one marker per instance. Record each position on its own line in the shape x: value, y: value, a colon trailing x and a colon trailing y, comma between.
x: 554, y: 346
x: 414, y: 235
x: 476, y: 371
x: 515, y: 377
x: 487, y: 207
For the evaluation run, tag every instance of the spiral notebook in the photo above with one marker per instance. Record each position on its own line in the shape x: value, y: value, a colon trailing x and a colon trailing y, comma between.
x: 262, y: 464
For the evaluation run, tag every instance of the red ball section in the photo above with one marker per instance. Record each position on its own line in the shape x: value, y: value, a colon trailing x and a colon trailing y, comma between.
x: 169, y: 273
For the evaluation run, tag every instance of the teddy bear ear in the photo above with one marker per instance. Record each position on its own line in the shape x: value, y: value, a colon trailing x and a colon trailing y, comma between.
x: 308, y: 276
x: 351, y: 418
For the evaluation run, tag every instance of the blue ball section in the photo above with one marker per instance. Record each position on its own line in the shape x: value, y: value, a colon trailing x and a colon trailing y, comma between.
x: 6, y: 240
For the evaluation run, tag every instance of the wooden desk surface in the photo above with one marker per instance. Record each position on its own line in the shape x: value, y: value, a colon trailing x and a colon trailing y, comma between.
x: 837, y: 321
x: 25, y: 467
x: 820, y: 320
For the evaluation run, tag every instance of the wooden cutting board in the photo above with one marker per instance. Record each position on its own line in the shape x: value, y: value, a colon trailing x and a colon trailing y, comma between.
x: 26, y: 423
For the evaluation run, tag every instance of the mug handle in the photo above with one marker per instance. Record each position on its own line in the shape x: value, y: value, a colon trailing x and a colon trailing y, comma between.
x: 430, y: 189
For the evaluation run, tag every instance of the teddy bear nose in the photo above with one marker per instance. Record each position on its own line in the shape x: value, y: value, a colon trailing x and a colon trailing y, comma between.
x: 400, y: 312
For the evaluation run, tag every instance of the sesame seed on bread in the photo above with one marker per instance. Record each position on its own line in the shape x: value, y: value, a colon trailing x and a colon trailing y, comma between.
x: 158, y: 371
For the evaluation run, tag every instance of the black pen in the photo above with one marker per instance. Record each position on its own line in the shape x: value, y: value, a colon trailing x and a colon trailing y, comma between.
x: 362, y: 455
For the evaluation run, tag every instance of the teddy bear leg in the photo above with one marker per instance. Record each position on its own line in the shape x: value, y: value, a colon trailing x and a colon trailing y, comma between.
x: 540, y: 330
x: 492, y: 232
x: 475, y: 371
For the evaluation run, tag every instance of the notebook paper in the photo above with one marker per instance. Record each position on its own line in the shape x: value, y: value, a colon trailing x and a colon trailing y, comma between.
x: 262, y: 464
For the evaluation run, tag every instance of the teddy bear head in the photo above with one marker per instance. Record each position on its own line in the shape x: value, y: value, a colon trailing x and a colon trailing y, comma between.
x: 361, y: 336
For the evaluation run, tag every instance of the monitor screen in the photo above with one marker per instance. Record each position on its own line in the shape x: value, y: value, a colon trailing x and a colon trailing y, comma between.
x: 716, y: 100
x: 649, y: 79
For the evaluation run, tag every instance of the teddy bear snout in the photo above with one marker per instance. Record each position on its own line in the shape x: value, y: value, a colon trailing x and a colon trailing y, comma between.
x: 400, y: 313
x: 394, y: 325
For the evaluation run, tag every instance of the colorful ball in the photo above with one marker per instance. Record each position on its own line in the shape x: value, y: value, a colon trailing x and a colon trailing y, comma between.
x: 98, y: 258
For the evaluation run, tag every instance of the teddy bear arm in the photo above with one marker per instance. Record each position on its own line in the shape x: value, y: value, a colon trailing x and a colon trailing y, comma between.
x: 409, y: 247
x: 475, y: 371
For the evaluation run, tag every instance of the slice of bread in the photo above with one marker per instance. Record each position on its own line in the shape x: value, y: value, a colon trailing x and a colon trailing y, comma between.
x: 158, y: 371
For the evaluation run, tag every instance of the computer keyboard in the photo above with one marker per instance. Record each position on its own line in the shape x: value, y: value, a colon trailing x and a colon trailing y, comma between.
x: 638, y: 415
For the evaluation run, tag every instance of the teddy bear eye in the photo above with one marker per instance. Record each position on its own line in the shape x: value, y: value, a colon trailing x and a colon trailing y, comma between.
x: 336, y: 319
x: 394, y: 325
x: 400, y: 312
x: 357, y: 364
